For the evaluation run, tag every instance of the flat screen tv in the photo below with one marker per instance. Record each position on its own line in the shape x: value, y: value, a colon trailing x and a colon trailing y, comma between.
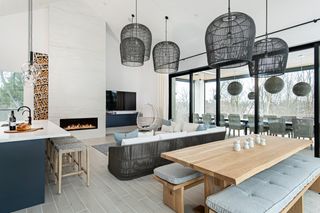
x: 120, y: 100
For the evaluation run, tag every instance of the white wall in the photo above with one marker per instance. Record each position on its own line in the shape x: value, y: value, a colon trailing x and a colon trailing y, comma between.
x: 77, y: 63
x: 142, y: 80
x: 14, y: 43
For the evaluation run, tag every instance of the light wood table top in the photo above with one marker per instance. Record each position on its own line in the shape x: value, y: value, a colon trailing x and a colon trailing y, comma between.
x: 218, y: 160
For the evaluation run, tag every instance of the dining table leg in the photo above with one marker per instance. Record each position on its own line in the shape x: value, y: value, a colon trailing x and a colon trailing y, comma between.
x: 212, y: 185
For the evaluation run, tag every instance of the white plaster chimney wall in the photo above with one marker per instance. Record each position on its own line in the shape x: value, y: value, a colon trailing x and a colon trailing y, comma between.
x: 77, y: 63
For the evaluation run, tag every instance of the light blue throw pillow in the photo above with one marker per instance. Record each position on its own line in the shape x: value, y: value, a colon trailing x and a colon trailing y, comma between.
x: 166, y: 122
x: 201, y: 127
x: 132, y: 134
x: 211, y: 126
x: 119, y: 136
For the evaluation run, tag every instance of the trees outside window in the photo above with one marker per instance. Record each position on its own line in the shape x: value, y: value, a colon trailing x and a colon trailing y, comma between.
x: 11, y: 92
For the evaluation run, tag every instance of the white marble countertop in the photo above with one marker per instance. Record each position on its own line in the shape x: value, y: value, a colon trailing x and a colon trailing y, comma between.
x: 50, y: 130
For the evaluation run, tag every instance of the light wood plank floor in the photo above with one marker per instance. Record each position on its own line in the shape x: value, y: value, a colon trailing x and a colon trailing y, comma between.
x: 107, y: 194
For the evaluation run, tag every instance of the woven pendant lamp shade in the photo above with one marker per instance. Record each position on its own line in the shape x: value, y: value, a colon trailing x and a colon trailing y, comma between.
x: 235, y: 88
x: 270, y: 57
x: 301, y: 89
x: 166, y: 55
x: 229, y: 39
x: 141, y: 32
x: 274, y: 85
x: 132, y: 52
x: 251, y: 95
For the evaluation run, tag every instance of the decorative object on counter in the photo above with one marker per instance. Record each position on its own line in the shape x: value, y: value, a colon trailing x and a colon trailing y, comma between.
x: 27, y: 109
x: 12, y: 122
x: 28, y: 129
x: 263, y: 142
x: 41, y: 87
x: 258, y: 139
x: 135, y: 43
x: 251, y: 95
x: 251, y: 142
x: 229, y: 39
x: 274, y: 85
x: 23, y: 127
x: 30, y: 69
x: 235, y: 88
x: 270, y: 55
x: 246, y: 144
x: 237, y: 146
x: 301, y: 89
x: 166, y: 55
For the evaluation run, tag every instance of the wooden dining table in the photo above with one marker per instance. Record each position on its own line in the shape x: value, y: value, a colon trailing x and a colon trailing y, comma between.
x: 222, y: 167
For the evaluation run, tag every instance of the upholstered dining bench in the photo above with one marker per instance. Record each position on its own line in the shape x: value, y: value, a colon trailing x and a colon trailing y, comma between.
x: 277, y: 189
x: 176, y: 178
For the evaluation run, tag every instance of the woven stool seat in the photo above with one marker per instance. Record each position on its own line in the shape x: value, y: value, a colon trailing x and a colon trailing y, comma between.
x: 70, y: 139
x: 70, y: 147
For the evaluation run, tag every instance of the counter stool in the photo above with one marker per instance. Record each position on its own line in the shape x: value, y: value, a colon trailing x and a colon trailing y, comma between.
x: 51, y: 150
x: 70, y: 149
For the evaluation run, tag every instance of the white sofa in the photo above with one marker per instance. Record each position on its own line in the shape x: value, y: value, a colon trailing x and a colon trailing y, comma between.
x: 166, y: 136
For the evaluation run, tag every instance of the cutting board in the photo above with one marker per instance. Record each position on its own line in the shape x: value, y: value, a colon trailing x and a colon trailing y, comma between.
x: 29, y: 130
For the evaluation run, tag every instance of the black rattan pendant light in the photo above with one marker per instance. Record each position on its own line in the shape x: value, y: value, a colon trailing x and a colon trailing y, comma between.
x: 251, y: 95
x: 141, y: 32
x: 274, y: 85
x: 166, y: 55
x: 235, y: 88
x: 229, y: 40
x: 270, y: 55
x: 132, y: 50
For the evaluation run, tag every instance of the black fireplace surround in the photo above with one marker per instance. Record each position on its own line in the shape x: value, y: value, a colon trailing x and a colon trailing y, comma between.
x: 73, y: 124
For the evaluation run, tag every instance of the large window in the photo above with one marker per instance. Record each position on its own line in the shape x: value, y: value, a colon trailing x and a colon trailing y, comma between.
x: 204, y: 88
x: 210, y: 97
x: 11, y: 92
x: 239, y: 104
x: 180, y: 98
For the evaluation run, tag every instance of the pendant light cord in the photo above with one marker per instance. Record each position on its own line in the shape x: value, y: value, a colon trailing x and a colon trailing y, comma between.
x: 266, y: 18
x: 166, y: 28
x: 229, y: 19
x: 136, y: 11
x: 266, y: 27
x: 30, y: 35
x: 136, y: 18
x: 132, y: 21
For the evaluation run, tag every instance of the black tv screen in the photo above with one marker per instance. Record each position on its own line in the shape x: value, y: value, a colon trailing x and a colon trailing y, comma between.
x: 119, y: 100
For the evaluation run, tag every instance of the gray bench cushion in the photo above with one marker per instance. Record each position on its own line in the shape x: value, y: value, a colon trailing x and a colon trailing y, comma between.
x: 175, y: 173
x: 269, y: 191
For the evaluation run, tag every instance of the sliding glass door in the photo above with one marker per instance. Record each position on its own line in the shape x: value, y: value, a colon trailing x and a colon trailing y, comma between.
x: 203, y: 95
x: 180, y: 98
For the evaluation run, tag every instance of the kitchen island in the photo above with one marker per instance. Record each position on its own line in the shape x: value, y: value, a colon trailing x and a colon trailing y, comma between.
x: 22, y: 165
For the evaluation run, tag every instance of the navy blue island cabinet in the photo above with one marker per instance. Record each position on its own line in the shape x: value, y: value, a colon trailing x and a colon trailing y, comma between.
x: 22, y: 174
x: 22, y: 165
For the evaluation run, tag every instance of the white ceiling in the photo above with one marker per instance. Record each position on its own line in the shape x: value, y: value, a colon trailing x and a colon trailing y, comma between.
x: 188, y: 19
x: 8, y: 7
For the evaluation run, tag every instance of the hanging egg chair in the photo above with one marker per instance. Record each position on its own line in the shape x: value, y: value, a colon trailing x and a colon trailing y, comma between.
x: 148, y: 118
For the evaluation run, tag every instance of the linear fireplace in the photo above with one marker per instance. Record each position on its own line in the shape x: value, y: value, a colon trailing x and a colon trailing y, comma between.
x: 72, y: 124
